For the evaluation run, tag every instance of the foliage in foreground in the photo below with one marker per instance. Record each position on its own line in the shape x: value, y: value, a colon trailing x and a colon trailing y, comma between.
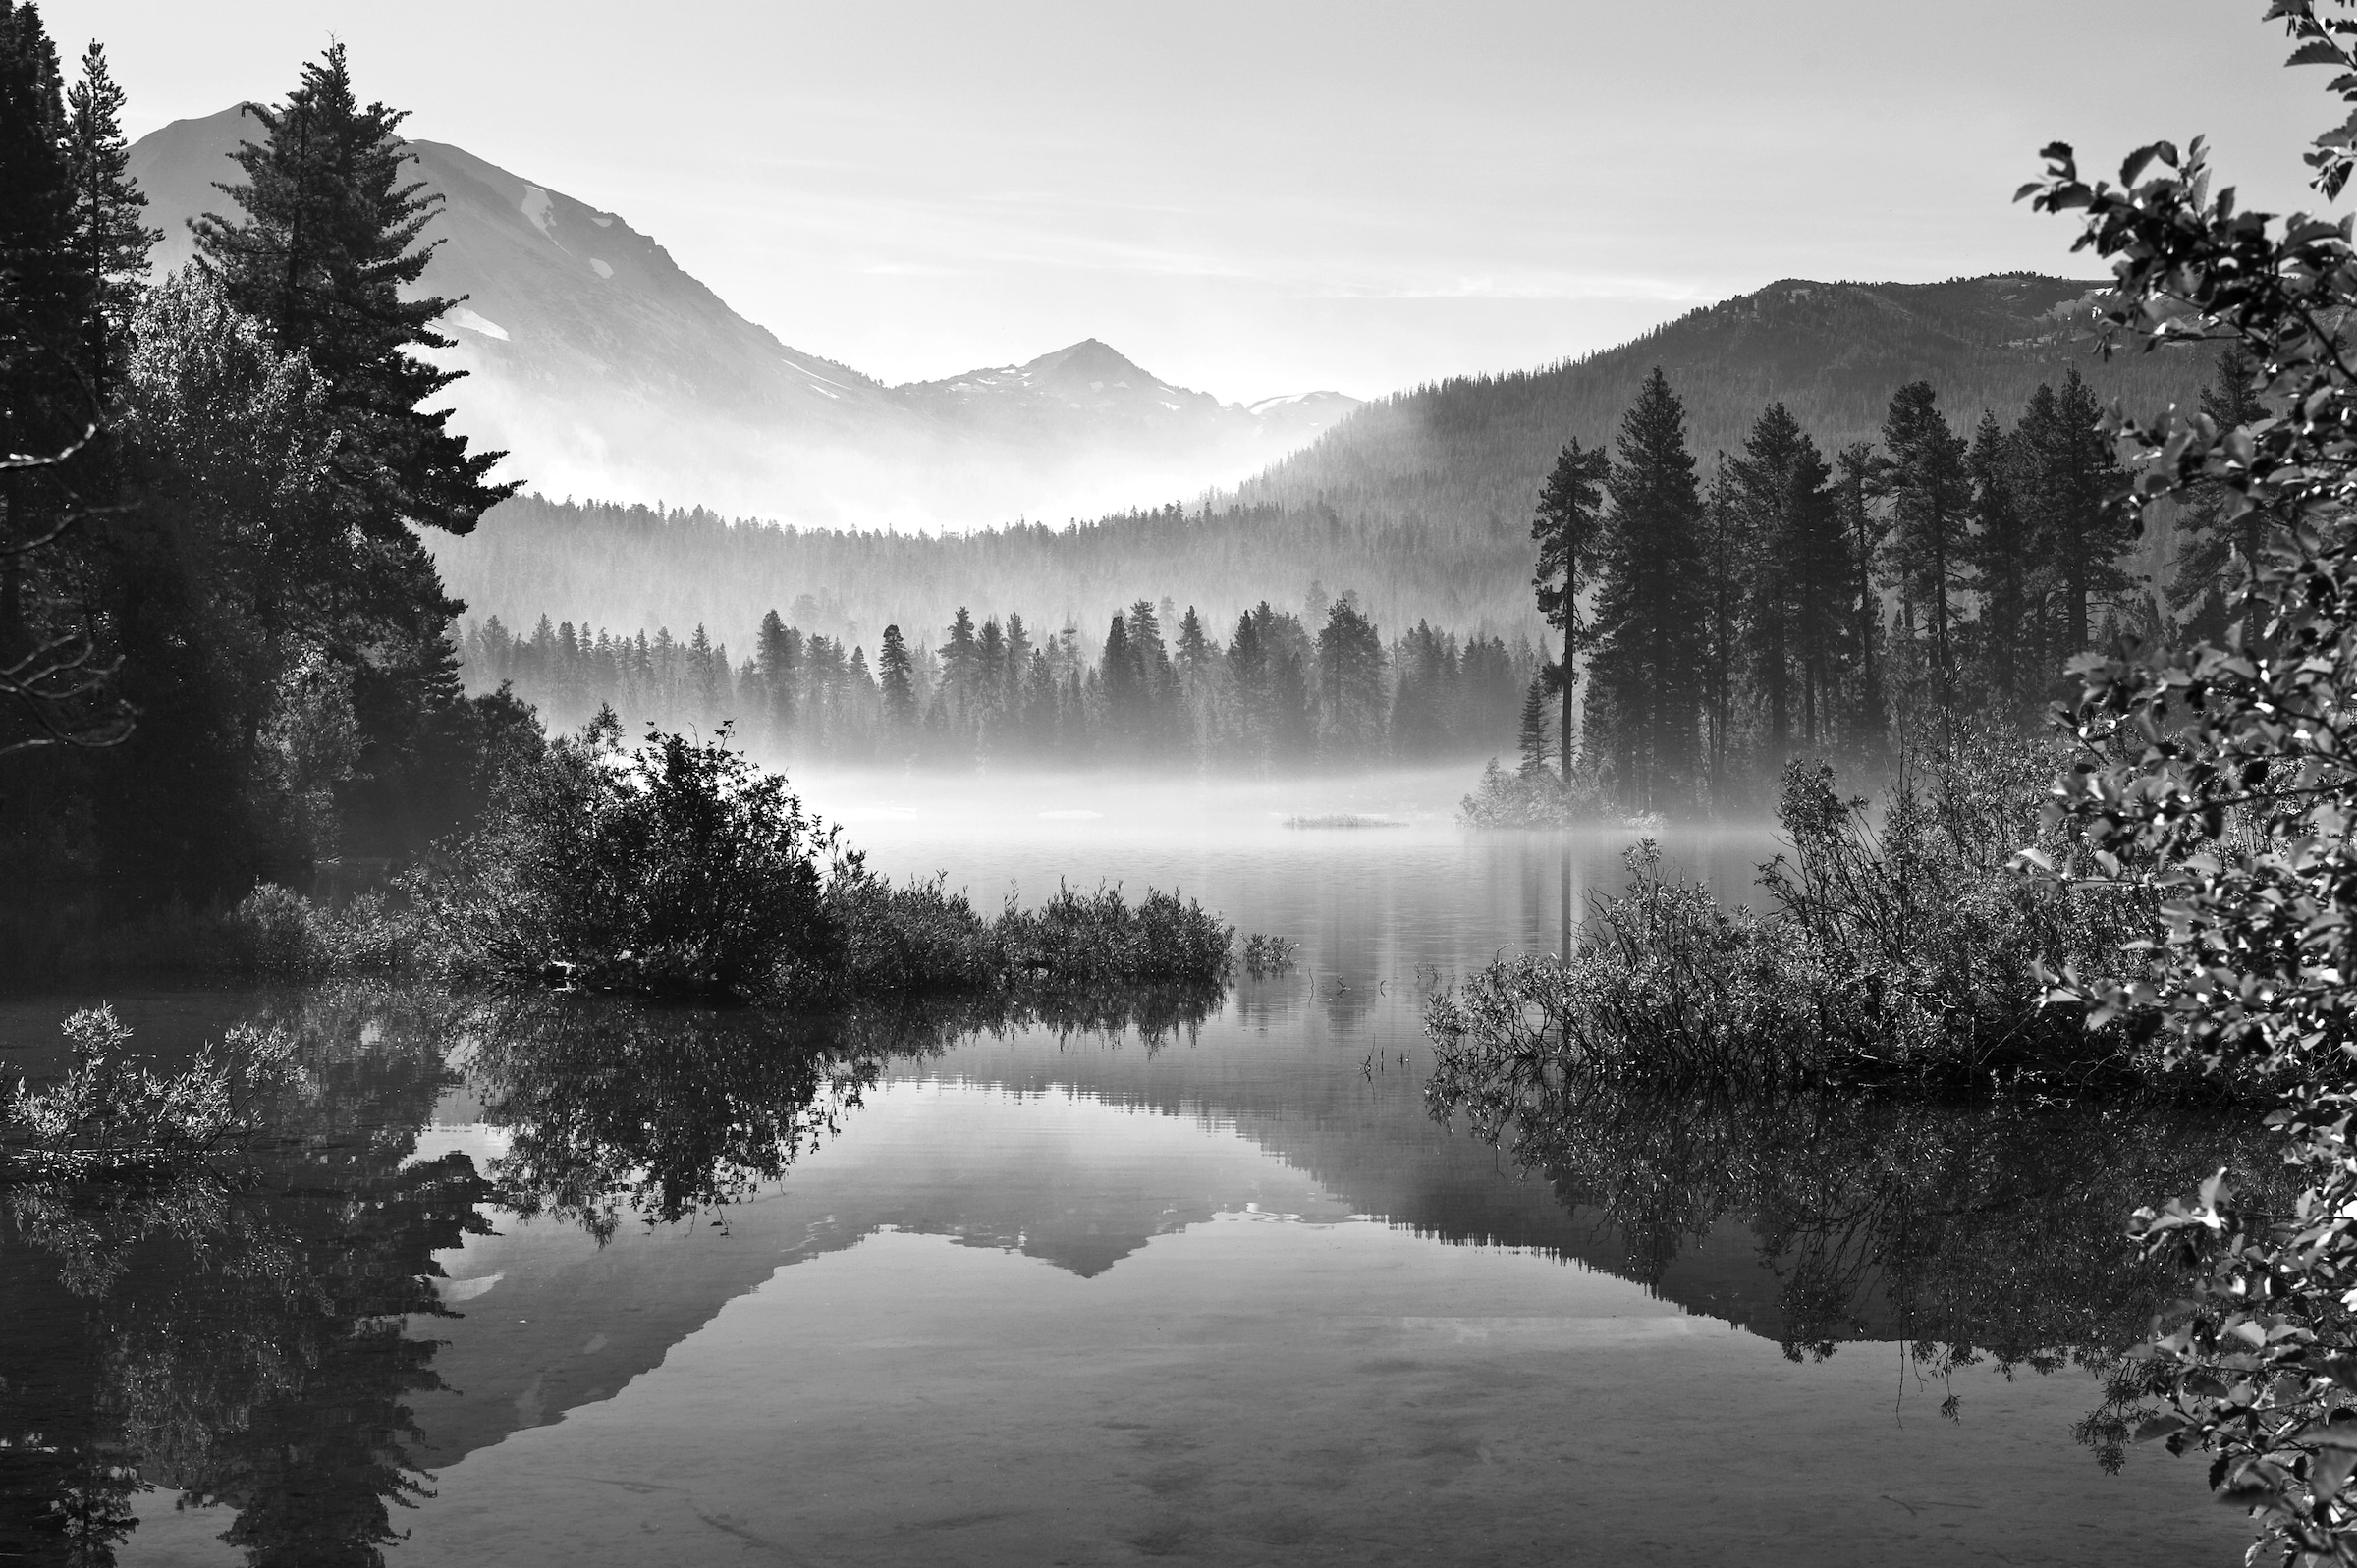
x: 2233, y: 770
x: 110, y: 1113
x: 1900, y: 948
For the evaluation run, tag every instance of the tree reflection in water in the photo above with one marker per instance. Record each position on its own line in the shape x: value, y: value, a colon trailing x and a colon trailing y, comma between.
x: 665, y: 1110
x: 245, y: 1333
x: 237, y: 1332
x: 1985, y: 1231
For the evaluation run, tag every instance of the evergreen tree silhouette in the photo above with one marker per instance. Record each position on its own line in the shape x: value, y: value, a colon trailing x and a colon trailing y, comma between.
x: 111, y: 242
x: 1649, y: 665
x: 1568, y: 527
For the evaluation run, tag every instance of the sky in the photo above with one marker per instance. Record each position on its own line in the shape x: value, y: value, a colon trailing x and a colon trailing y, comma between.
x: 1277, y: 195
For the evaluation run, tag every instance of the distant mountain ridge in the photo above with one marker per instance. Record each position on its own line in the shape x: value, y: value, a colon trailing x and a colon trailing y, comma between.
x: 1467, y: 453
x: 1421, y: 502
x: 607, y: 369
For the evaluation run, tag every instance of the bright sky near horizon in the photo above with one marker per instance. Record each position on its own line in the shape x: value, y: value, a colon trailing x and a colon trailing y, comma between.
x: 1260, y: 197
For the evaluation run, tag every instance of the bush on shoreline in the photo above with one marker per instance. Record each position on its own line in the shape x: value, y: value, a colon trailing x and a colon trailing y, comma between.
x: 679, y: 869
x: 1904, y: 950
x: 109, y: 1113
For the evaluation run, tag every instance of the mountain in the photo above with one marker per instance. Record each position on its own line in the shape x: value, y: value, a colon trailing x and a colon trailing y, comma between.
x: 1090, y: 392
x: 607, y: 369
x: 1467, y: 453
x: 1421, y: 502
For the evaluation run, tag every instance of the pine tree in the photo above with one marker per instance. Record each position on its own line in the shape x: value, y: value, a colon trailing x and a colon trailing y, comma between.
x: 1156, y: 694
x: 1789, y: 623
x: 1858, y: 481
x: 1248, y: 682
x: 1350, y: 661
x: 2071, y: 476
x: 2002, y: 558
x: 894, y: 676
x: 1019, y: 663
x: 777, y: 654
x: 962, y: 669
x: 1648, y: 665
x: 110, y: 239
x: 1568, y: 529
x: 320, y: 260
x: 322, y: 255
x: 1724, y: 563
x: 1195, y: 651
x: 1536, y: 737
x: 42, y: 291
x: 50, y: 630
x: 1932, y: 496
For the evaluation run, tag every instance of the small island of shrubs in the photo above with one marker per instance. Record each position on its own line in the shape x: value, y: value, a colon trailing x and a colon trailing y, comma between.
x: 680, y: 868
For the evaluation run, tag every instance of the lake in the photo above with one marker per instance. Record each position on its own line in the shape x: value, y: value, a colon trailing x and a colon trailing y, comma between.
x: 1143, y: 1279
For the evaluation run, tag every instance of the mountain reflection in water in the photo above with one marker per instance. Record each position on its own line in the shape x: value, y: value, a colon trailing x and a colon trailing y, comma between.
x: 254, y: 1333
x: 277, y: 1340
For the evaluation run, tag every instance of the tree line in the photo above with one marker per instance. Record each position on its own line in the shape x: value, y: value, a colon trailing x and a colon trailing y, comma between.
x: 1791, y: 602
x: 1159, y: 688
x: 225, y: 650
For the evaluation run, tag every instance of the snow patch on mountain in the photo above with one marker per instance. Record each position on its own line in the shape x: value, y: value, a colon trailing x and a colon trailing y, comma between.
x: 461, y: 316
x: 539, y: 208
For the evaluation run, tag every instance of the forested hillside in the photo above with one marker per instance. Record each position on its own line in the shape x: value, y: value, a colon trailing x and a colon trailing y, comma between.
x: 1420, y: 504
x: 1465, y: 457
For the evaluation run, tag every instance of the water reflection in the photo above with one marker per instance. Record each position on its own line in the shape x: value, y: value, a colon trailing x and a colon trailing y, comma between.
x: 238, y: 1333
x: 665, y: 1112
x: 1095, y: 1277
x: 1969, y: 1231
x: 255, y: 1334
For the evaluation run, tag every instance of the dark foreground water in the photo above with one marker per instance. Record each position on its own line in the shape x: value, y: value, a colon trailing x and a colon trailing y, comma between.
x: 1207, y: 1286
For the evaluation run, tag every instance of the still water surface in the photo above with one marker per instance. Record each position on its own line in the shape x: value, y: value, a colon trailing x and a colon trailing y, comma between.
x: 1219, y: 1291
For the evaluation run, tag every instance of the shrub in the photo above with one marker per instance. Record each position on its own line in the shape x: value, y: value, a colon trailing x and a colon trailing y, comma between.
x: 1076, y: 940
x: 1908, y: 949
x: 897, y: 941
x: 681, y: 869
x: 109, y: 1113
x: 677, y: 868
x: 281, y: 934
x: 921, y: 937
x: 1265, y: 954
x: 1534, y: 797
x: 2226, y: 777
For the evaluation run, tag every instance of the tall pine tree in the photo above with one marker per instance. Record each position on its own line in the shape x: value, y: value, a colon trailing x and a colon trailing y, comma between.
x: 1931, y: 496
x: 2072, y: 474
x: 1723, y: 566
x: 2002, y: 558
x: 895, y: 674
x: 329, y: 238
x: 1568, y: 529
x: 1648, y: 665
x: 111, y: 239
x: 1863, y: 529
x: 1794, y: 571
